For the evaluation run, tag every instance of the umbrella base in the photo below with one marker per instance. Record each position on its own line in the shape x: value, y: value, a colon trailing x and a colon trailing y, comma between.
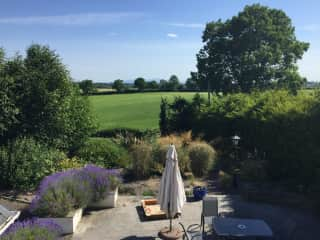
x: 166, y: 234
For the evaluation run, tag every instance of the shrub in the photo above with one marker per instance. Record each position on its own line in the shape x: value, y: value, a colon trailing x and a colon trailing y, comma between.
x: 32, y: 229
x: 201, y: 158
x: 159, y: 153
x: 253, y: 170
x: 148, y: 192
x: 60, y: 193
x: 25, y: 162
x: 225, y: 180
x: 104, y: 152
x: 69, y: 163
x: 159, y: 157
x: 141, y: 160
x: 183, y: 159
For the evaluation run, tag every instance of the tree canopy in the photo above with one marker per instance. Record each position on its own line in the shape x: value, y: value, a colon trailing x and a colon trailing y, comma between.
x: 39, y: 99
x: 87, y: 86
x: 118, y: 85
x: 140, y: 83
x: 257, y: 49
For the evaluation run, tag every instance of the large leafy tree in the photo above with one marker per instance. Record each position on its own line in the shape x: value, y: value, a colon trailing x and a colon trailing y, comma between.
x: 8, y: 110
x: 49, y: 105
x: 256, y: 49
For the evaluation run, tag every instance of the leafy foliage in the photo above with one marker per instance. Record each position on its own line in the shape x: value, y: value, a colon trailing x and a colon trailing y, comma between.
x: 118, y: 85
x: 24, y: 162
x: 39, y: 99
x: 104, y: 152
x: 253, y: 50
x: 277, y: 129
x: 140, y: 83
x: 87, y: 87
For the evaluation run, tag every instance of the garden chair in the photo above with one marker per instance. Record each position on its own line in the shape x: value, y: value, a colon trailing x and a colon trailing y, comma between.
x: 209, y: 210
x: 193, y: 232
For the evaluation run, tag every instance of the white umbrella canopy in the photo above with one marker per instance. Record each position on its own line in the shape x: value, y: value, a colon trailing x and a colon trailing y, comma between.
x: 171, y: 194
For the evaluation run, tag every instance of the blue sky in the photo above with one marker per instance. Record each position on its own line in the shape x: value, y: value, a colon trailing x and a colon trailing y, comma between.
x: 110, y: 39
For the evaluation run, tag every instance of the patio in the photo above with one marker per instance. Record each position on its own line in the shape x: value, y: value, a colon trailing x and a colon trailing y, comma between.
x: 126, y: 221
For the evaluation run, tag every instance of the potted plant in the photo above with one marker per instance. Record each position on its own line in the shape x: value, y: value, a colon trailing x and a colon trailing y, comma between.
x: 61, y: 198
x: 104, y: 185
x: 199, y: 193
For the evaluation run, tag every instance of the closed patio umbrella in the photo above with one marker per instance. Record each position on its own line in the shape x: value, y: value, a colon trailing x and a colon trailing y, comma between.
x: 171, y: 194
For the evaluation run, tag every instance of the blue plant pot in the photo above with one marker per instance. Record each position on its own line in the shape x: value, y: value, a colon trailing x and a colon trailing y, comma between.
x: 199, y: 193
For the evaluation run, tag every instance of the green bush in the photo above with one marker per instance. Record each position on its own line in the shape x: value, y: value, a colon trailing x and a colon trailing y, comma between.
x: 225, y: 180
x: 142, y: 160
x: 159, y: 158
x: 183, y: 159
x: 104, y: 152
x: 201, y: 158
x: 253, y: 170
x: 24, y: 162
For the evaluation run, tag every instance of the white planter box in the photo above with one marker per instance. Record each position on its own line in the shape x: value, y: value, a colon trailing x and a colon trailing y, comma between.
x: 70, y: 222
x: 109, y: 202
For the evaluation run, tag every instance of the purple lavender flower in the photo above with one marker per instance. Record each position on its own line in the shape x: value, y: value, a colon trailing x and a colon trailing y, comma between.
x: 101, y: 180
x: 33, y: 229
x: 62, y: 192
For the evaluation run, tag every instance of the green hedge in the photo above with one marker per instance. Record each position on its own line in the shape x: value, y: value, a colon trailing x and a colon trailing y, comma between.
x: 281, y: 129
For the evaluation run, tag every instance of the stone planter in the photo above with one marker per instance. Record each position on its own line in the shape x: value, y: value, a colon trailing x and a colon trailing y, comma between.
x: 70, y: 222
x: 110, y: 201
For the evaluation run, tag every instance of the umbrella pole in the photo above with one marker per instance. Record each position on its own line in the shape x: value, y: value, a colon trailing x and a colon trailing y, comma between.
x: 170, y: 217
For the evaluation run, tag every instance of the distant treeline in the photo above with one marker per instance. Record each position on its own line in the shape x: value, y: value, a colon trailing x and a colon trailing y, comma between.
x: 88, y: 87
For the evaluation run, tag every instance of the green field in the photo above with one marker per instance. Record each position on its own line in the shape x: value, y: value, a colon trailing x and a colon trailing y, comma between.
x: 138, y: 110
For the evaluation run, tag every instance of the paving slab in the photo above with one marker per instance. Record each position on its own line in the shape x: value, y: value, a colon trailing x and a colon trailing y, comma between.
x: 126, y: 222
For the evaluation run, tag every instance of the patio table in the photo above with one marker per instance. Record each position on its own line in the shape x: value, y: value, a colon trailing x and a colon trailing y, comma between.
x: 240, y: 227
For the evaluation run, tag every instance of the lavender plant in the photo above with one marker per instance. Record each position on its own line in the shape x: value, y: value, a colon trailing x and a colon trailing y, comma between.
x: 102, y: 180
x: 32, y: 229
x: 61, y: 193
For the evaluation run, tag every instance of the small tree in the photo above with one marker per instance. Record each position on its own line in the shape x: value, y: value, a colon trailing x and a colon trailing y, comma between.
x: 87, y: 86
x: 140, y: 83
x: 164, y: 122
x: 153, y: 85
x: 118, y: 85
x: 173, y: 83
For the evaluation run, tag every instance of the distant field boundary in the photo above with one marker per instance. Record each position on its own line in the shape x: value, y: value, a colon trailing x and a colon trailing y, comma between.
x: 145, y: 91
x: 107, y: 133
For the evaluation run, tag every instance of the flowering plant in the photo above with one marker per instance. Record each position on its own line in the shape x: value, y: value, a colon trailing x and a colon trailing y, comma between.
x: 102, y: 180
x: 62, y: 192
x: 32, y: 229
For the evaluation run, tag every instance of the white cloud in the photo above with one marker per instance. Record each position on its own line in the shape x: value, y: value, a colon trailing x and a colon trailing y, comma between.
x: 172, y: 35
x: 310, y: 28
x: 187, y: 25
x: 73, y: 19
